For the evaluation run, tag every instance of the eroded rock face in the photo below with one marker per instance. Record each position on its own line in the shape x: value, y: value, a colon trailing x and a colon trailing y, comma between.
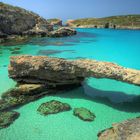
x: 62, y: 32
x: 7, y: 118
x: 22, y: 94
x: 127, y: 130
x: 18, y: 21
x: 84, y: 114
x: 61, y: 72
x: 53, y: 107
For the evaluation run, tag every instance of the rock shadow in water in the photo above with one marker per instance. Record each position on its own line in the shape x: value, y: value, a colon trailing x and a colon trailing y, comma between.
x: 116, y: 100
x: 50, y: 52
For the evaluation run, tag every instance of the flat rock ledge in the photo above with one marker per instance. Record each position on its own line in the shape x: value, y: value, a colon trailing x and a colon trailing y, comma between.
x: 22, y: 94
x: 55, y: 72
x: 53, y: 107
x: 127, y: 130
x: 7, y: 118
x: 84, y: 114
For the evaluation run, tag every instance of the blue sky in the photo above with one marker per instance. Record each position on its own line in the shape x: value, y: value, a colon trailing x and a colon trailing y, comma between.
x: 71, y: 9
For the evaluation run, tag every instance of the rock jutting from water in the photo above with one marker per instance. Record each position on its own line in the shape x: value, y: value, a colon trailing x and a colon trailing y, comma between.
x: 62, y: 32
x: 127, y: 130
x: 53, y: 107
x: 7, y: 118
x: 84, y: 114
x: 55, y: 72
x: 22, y: 94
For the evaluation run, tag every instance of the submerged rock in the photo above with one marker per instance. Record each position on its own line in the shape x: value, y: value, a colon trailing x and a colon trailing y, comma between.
x: 62, y: 32
x: 127, y: 130
x: 7, y: 118
x: 53, y: 107
x: 55, y: 72
x: 23, y: 94
x: 3, y: 104
x: 84, y: 114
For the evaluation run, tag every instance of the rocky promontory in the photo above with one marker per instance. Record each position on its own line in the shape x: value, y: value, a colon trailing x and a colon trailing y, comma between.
x: 17, y: 24
x: 18, y: 21
x: 115, y: 22
x: 55, y: 72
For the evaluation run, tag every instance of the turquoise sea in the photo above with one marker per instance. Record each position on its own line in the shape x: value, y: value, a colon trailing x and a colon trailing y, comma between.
x: 110, y: 100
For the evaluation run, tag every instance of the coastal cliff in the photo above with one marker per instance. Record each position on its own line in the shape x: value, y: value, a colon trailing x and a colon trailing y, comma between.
x: 60, y: 72
x: 17, y: 24
x: 18, y: 21
x: 115, y: 22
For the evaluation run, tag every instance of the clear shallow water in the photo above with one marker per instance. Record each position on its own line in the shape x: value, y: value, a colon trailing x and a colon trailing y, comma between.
x: 110, y: 100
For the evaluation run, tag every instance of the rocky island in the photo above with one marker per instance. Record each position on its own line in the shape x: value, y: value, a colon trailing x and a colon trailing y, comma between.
x: 115, y: 22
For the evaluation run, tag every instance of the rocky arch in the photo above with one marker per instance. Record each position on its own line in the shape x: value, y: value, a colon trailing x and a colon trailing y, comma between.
x: 62, y: 72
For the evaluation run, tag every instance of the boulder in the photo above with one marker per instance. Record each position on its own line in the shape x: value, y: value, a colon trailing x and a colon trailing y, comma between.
x: 56, y: 72
x: 53, y: 107
x: 7, y: 118
x: 62, y: 32
x: 127, y: 130
x: 84, y: 114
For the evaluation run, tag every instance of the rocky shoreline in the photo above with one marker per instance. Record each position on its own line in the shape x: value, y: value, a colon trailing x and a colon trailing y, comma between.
x: 127, y: 130
x: 18, y: 24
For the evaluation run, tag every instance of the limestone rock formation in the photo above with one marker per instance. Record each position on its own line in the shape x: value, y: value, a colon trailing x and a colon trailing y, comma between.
x: 127, y: 130
x: 61, y: 72
x: 84, y: 114
x: 7, y: 118
x: 62, y: 32
x: 53, y: 107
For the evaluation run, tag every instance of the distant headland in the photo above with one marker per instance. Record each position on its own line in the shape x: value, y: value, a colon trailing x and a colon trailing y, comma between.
x: 115, y: 22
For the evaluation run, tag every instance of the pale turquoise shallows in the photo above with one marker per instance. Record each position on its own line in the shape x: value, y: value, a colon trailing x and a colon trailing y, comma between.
x: 110, y: 100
